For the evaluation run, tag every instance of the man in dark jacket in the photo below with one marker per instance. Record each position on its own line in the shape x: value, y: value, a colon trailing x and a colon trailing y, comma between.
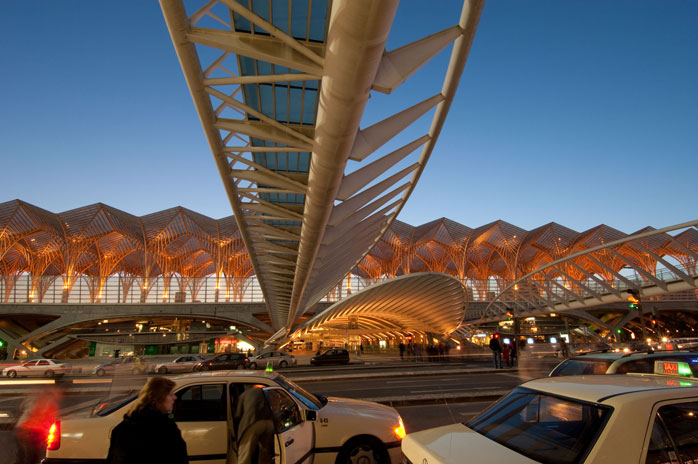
x: 496, y: 348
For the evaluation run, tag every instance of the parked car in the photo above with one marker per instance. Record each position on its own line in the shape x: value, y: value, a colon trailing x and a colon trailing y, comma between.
x: 123, y: 365
x: 38, y: 368
x: 631, y: 418
x: 223, y: 361
x: 331, y: 356
x: 307, y: 427
x: 278, y: 359
x: 621, y: 363
x: 184, y: 363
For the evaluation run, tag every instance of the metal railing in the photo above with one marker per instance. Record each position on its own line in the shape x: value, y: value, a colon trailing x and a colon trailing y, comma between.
x: 115, y: 292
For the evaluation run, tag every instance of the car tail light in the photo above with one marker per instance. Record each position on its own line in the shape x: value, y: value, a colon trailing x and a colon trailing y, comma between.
x: 400, y: 430
x: 53, y: 440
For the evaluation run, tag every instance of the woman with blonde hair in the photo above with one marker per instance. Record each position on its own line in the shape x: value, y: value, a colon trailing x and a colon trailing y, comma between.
x: 148, y: 434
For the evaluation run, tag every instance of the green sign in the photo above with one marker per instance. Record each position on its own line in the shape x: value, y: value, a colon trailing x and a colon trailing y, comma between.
x: 93, y: 348
x: 151, y: 349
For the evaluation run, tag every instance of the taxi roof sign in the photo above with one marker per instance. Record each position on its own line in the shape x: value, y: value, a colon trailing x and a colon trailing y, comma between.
x: 672, y: 368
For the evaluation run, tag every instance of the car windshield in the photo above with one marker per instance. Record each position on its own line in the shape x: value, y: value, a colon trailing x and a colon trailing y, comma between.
x: 542, y: 427
x: 308, y: 399
x: 582, y: 367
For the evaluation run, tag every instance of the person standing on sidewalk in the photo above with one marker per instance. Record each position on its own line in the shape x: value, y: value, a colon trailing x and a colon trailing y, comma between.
x: 496, y: 348
x: 514, y: 353
x: 401, y: 346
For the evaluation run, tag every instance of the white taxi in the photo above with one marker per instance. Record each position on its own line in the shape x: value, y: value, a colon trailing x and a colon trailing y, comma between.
x: 309, y: 428
x: 632, y: 418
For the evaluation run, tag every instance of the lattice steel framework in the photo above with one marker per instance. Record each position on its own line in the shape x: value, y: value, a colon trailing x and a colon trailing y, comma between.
x: 98, y: 241
x: 280, y: 88
x: 591, y: 274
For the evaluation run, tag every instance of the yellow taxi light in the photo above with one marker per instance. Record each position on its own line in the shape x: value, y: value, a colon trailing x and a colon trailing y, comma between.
x: 400, y: 430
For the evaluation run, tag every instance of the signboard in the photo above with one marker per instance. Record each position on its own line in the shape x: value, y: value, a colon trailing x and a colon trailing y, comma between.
x: 672, y: 368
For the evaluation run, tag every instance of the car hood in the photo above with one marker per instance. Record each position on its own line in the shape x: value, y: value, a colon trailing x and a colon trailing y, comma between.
x: 456, y: 443
x: 366, y: 409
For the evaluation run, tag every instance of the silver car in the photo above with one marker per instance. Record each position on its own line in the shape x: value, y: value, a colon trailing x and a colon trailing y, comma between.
x: 38, y: 368
x: 183, y: 363
x: 277, y: 358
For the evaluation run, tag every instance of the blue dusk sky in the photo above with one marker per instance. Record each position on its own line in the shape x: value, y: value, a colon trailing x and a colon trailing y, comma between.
x: 580, y: 112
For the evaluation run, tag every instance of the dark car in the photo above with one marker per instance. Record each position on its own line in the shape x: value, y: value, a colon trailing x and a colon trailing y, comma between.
x: 622, y: 363
x: 333, y: 356
x: 223, y: 362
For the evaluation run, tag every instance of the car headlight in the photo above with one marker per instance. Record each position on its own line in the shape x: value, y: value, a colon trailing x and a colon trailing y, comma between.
x: 400, y: 429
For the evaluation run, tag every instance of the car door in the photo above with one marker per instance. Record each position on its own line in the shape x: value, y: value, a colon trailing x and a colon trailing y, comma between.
x: 180, y: 364
x: 27, y: 369
x: 295, y: 437
x: 201, y: 414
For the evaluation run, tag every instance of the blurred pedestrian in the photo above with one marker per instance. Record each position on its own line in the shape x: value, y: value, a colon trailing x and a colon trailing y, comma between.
x: 38, y: 413
x: 514, y: 353
x: 401, y: 347
x: 563, y: 348
x: 506, y: 355
x: 255, y: 429
x: 148, y: 434
x: 496, y: 348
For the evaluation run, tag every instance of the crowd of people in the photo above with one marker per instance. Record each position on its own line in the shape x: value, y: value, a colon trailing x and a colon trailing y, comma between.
x: 433, y: 353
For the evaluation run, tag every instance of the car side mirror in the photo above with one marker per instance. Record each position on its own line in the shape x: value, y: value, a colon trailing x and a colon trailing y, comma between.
x: 310, y: 415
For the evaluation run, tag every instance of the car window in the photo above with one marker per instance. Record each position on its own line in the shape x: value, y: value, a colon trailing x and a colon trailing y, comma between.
x: 308, y: 399
x: 581, y: 367
x: 284, y: 409
x: 545, y: 428
x: 660, y: 449
x: 199, y: 403
x: 43, y: 362
x: 640, y: 366
x: 30, y: 363
x: 681, y: 423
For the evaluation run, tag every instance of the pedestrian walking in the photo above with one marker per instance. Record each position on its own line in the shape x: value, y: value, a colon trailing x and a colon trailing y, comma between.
x: 514, y: 353
x: 496, y: 348
x: 401, y: 347
x: 148, y: 433
x: 563, y: 348
x: 506, y: 353
x: 361, y: 349
x: 38, y: 413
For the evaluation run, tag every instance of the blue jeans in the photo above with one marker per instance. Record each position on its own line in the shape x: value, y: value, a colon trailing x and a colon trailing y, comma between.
x: 497, y: 359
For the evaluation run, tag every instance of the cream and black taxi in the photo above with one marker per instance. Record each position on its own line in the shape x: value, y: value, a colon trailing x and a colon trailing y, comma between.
x: 631, y: 418
x: 309, y: 428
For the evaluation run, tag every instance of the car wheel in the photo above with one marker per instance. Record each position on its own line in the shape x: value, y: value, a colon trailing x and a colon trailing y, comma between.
x: 162, y: 370
x: 12, y: 374
x: 240, y: 367
x: 100, y: 372
x: 49, y: 374
x: 283, y: 364
x: 253, y: 366
x: 363, y: 450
